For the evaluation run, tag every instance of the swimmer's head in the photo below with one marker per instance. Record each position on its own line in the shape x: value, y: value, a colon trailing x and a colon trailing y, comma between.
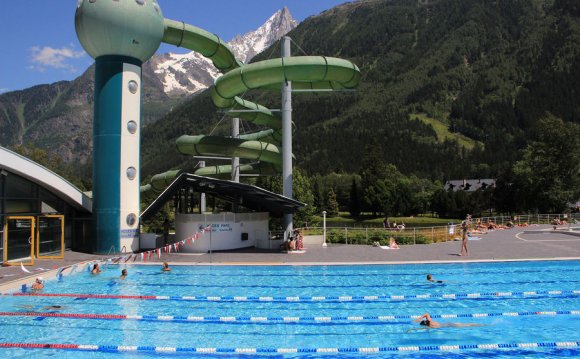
x: 425, y: 322
x: 39, y: 279
x: 124, y: 272
x: 429, y: 277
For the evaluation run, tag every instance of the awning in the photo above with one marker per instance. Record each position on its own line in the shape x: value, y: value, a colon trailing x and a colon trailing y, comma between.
x: 248, y: 196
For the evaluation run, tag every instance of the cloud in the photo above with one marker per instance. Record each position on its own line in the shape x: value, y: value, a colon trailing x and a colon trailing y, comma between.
x: 49, y: 57
x: 2, y: 90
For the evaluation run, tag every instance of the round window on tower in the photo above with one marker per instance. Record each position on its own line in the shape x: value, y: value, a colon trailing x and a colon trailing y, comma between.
x: 132, y: 127
x: 131, y: 219
x: 131, y: 173
x: 133, y: 87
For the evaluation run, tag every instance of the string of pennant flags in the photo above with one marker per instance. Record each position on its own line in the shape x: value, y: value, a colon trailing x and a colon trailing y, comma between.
x: 143, y: 256
x: 148, y: 255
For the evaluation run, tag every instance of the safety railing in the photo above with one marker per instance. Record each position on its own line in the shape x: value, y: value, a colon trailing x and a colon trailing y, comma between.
x: 432, y: 234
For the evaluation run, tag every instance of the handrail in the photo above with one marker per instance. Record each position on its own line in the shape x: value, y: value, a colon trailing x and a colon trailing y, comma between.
x: 441, y: 233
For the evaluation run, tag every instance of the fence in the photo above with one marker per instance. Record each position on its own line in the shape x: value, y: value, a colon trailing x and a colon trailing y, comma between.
x: 425, y: 235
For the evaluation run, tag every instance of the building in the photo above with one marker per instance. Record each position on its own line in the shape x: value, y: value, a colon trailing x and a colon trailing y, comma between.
x: 42, y: 214
x: 469, y: 185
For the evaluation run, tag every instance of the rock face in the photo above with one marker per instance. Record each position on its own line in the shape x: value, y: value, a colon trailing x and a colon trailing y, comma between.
x: 58, y: 117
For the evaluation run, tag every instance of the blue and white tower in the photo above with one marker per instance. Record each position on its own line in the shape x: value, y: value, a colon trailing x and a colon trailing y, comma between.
x: 120, y: 35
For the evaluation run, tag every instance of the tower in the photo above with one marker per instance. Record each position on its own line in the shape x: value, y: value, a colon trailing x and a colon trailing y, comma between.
x: 120, y: 35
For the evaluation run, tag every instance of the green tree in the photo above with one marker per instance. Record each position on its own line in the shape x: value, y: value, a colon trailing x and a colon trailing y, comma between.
x: 301, y: 191
x: 354, y: 205
x: 331, y: 204
x: 549, y: 171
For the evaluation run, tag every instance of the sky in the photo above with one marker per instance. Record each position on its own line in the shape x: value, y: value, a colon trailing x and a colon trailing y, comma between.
x: 39, y: 43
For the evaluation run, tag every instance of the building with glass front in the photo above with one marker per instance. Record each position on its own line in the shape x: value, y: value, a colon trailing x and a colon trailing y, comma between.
x: 41, y: 213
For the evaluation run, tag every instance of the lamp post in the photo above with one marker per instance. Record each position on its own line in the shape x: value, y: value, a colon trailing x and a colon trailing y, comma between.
x: 324, y: 229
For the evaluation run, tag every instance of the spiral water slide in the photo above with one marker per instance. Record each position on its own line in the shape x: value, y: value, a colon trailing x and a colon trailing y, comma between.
x: 305, y: 72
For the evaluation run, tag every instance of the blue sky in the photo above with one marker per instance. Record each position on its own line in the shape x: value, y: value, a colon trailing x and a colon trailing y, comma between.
x: 40, y: 45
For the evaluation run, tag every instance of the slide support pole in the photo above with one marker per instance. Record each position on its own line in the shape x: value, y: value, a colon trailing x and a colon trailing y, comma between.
x: 235, y: 160
x: 287, y: 138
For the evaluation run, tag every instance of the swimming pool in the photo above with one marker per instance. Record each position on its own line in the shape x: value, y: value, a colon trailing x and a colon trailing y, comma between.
x: 300, y: 311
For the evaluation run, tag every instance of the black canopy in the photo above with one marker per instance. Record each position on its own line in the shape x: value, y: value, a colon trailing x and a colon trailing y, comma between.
x: 249, y: 196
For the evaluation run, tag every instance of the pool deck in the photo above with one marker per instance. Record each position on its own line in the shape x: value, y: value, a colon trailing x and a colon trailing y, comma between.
x: 501, y: 245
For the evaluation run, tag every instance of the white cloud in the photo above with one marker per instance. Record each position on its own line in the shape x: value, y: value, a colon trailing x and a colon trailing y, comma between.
x: 45, y: 57
x: 2, y: 90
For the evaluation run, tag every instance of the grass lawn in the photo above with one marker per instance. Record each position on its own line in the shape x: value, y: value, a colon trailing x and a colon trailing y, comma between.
x: 442, y: 131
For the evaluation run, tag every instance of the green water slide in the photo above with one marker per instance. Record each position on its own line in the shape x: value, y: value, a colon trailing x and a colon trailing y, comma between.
x: 230, y: 147
x: 305, y: 72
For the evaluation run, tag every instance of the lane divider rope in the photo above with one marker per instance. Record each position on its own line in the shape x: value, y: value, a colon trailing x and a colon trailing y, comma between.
x: 364, y: 350
x: 366, y: 298
x: 316, y: 319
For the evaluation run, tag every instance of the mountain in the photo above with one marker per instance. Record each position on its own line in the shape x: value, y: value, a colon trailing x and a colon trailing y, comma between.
x: 58, y: 117
x: 450, y: 88
x: 190, y: 73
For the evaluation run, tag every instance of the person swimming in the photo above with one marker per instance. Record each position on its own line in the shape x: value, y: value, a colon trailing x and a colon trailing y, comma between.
x: 38, y: 284
x: 123, y: 274
x: 96, y: 269
x: 430, y: 279
x: 426, y: 321
x: 165, y: 267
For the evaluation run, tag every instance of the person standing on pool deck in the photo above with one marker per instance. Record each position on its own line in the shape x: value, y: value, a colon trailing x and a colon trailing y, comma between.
x: 464, y: 228
x: 165, y: 231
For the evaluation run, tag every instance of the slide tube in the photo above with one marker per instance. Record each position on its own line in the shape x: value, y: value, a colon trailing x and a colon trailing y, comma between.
x: 230, y: 147
x: 195, y: 39
x: 160, y: 181
x: 317, y: 71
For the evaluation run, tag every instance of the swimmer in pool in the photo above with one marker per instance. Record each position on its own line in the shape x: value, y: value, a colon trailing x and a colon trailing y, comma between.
x: 430, y: 279
x: 426, y: 321
x: 96, y: 269
x: 165, y: 267
x: 123, y: 274
x: 35, y: 308
x: 38, y: 284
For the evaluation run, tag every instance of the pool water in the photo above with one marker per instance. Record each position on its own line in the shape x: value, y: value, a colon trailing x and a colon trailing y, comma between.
x: 300, y: 307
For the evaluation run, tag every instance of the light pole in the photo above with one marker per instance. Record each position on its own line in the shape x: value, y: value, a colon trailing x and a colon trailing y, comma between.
x: 324, y: 229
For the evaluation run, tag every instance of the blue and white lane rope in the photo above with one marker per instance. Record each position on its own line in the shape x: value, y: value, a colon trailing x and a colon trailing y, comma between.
x: 363, y: 350
x: 278, y: 320
x: 365, y: 298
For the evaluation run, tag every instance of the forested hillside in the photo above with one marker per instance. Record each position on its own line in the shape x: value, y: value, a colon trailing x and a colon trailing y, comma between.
x: 484, y: 70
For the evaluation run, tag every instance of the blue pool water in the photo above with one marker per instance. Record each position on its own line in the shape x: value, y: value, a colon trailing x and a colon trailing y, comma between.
x: 320, y: 299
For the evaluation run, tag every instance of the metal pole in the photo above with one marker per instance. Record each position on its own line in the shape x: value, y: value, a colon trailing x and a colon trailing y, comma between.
x: 236, y: 160
x: 202, y: 197
x: 287, y: 137
x: 324, y: 229
x: 210, y: 230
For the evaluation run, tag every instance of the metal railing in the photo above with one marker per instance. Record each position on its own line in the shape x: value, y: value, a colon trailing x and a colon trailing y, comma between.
x: 425, y: 235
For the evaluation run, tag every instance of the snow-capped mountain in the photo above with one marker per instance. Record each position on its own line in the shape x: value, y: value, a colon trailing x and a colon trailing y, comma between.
x: 189, y: 73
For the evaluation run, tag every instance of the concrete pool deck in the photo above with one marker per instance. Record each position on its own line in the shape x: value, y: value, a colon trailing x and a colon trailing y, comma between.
x: 501, y: 245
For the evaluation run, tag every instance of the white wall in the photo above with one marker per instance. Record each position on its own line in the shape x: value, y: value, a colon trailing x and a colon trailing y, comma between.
x: 227, y: 229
